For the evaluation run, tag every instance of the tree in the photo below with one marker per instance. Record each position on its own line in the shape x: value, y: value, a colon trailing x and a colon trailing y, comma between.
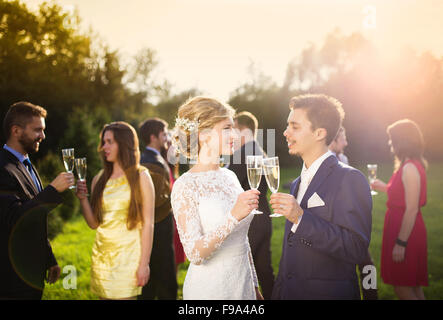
x: 374, y: 91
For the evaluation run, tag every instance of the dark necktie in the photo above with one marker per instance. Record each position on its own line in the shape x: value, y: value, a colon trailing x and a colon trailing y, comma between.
x: 28, y: 165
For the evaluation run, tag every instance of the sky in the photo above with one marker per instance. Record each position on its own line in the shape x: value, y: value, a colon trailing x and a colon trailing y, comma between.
x: 209, y: 44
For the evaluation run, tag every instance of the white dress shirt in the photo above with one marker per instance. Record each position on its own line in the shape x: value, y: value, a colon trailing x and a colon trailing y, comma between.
x: 306, y: 177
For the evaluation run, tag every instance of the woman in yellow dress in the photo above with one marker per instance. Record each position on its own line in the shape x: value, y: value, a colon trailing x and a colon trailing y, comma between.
x: 122, y: 211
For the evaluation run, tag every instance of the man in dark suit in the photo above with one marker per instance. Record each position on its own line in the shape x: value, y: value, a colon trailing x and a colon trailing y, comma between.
x: 328, y: 210
x: 260, y: 230
x: 163, y: 282
x: 26, y: 257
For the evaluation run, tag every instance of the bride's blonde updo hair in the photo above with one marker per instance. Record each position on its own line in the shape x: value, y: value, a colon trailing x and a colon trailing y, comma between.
x: 194, y: 116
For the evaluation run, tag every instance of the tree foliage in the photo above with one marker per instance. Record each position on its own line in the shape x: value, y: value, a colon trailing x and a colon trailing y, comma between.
x: 375, y: 92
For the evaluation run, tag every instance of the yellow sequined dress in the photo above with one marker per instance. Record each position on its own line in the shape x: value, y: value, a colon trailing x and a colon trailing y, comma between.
x: 116, y: 251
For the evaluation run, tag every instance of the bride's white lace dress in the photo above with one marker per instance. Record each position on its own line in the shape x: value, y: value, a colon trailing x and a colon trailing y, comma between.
x: 214, y: 241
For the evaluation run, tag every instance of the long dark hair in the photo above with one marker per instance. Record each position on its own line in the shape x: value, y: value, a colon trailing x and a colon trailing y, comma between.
x: 407, y: 142
x: 129, y: 158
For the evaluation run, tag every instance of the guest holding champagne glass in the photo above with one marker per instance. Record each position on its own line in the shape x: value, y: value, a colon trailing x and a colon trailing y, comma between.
x: 26, y: 257
x: 122, y: 211
x: 404, y: 247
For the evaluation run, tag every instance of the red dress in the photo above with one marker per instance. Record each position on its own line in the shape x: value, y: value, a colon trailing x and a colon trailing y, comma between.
x: 413, y: 270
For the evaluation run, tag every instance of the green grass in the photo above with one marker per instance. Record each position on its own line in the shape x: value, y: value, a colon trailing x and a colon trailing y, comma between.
x: 73, y: 245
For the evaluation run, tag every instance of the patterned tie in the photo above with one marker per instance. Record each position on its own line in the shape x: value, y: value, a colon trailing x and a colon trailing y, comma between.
x: 28, y: 165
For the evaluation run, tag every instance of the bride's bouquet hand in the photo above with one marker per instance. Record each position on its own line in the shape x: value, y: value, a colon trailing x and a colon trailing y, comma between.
x: 246, y: 202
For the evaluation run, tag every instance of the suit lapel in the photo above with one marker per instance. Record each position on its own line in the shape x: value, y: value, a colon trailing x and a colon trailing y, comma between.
x: 294, y: 187
x: 321, y: 175
x: 22, y: 174
x: 25, y: 172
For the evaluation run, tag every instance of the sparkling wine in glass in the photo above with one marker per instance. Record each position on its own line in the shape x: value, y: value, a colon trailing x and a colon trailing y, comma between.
x: 254, y: 165
x: 68, y: 161
x: 271, y: 170
x: 372, y: 175
x: 81, y: 168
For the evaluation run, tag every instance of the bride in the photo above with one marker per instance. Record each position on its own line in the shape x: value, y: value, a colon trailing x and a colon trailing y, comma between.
x: 210, y: 207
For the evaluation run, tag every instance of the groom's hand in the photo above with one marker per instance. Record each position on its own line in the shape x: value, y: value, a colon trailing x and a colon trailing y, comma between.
x: 286, y: 205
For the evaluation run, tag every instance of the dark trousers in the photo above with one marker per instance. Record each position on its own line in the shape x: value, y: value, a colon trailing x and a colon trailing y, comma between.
x: 259, y: 234
x: 27, y: 294
x: 13, y: 287
x: 162, y: 283
x: 368, y: 294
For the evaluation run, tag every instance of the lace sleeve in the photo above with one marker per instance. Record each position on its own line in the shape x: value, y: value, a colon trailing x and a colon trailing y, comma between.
x: 197, y: 245
x: 251, y: 261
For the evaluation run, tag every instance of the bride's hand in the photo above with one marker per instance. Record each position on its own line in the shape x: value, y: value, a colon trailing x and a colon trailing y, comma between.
x: 246, y: 202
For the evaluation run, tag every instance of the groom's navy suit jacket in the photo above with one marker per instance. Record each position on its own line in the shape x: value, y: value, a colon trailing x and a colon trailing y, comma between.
x: 319, y: 260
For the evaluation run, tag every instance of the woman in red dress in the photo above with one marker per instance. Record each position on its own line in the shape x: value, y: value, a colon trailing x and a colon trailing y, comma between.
x: 404, y: 247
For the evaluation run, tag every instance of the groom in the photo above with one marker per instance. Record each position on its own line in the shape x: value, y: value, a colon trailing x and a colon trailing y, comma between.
x: 328, y: 210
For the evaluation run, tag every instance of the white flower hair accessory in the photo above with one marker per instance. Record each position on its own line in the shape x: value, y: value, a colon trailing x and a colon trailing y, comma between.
x: 186, y: 124
x: 185, y: 138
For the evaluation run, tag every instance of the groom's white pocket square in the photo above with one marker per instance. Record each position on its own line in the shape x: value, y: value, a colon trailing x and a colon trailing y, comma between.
x: 315, y: 201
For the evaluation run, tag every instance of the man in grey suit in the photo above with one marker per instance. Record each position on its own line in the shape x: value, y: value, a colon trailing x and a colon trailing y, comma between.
x: 26, y: 257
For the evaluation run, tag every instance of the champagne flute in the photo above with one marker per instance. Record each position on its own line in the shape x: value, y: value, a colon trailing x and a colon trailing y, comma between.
x: 68, y: 161
x: 271, y: 169
x: 372, y: 175
x: 254, y: 166
x: 81, y: 168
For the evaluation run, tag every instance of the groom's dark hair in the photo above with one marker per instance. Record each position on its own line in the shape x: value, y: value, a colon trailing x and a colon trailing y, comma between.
x: 322, y: 111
